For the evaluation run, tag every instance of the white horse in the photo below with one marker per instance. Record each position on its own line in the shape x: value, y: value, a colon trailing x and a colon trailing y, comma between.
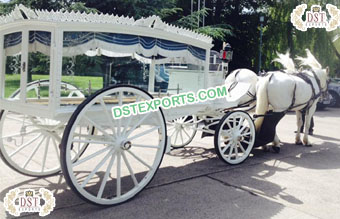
x: 283, y: 91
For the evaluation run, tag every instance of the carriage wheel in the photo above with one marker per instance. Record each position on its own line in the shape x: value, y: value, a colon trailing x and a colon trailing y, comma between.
x: 34, y: 87
x: 234, y: 137
x: 182, y: 130
x: 30, y: 144
x: 122, y: 156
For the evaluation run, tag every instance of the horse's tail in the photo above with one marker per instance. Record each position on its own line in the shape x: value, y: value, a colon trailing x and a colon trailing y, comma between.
x: 261, y: 102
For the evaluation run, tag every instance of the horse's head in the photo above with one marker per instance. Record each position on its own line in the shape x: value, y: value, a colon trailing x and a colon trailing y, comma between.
x: 241, y: 85
x: 321, y: 73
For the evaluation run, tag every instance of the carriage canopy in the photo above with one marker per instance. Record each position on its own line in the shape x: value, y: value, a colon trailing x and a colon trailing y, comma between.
x: 149, y: 37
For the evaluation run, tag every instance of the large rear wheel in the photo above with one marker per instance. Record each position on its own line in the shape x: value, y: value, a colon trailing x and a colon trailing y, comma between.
x: 30, y: 144
x: 123, y: 154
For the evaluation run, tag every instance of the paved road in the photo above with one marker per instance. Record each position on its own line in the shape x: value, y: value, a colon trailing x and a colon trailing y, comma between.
x: 300, y: 182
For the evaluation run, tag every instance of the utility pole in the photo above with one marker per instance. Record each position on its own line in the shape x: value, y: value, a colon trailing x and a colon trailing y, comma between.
x: 198, y: 9
x: 192, y: 6
x: 260, y: 50
x: 203, y: 23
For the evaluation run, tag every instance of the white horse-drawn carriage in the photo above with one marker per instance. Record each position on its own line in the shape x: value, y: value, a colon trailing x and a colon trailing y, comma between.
x: 48, y: 124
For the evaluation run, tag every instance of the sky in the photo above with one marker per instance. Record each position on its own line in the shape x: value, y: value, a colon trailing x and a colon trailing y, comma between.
x: 4, y: 1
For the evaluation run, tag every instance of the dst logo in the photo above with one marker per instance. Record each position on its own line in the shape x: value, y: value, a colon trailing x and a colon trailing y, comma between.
x: 315, y: 18
x: 29, y: 202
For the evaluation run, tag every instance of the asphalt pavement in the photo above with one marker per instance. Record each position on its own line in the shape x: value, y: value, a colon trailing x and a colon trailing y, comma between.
x: 299, y: 182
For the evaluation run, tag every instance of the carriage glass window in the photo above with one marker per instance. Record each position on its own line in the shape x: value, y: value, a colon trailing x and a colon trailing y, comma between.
x: 38, y: 71
x: 178, y: 78
x: 12, y: 67
x: 95, y: 60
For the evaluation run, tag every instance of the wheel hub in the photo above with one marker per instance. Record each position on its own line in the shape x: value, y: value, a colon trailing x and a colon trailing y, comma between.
x: 126, y: 145
x: 237, y: 137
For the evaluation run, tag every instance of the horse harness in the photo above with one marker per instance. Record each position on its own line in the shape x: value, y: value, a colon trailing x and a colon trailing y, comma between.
x: 253, y: 96
x: 304, y: 76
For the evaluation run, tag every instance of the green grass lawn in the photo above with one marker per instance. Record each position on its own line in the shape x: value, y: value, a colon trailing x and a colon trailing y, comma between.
x: 12, y: 83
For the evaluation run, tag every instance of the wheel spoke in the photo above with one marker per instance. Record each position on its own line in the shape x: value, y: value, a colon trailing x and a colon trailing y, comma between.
x: 130, y: 169
x: 90, y: 156
x: 230, y: 127
x: 94, y: 171
x: 138, y: 123
x: 109, y: 117
x: 45, y: 154
x: 33, y: 152
x: 186, y: 133
x: 176, y: 137
x: 245, y: 134
x: 20, y: 134
x: 240, y: 122
x: 98, y: 127
x: 181, y: 134
x: 170, y: 127
x: 108, y: 170
x: 140, y: 160
x: 236, y: 151
x: 127, y: 123
x: 230, y: 151
x: 56, y: 148
x: 24, y: 145
x: 118, y: 184
x: 143, y: 133
x: 226, y: 147
x: 91, y: 142
x: 241, y: 147
x: 79, y: 143
x: 120, y: 103
x: 246, y: 141
x: 243, y: 128
x: 145, y: 146
x: 189, y: 121
x: 173, y: 132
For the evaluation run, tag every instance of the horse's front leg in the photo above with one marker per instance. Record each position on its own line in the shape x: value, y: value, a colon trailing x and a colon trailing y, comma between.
x: 299, y: 124
x: 308, y: 119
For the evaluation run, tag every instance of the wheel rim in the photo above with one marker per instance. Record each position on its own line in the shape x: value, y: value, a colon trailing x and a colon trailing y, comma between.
x: 129, y: 150
x: 182, y: 130
x: 33, y: 89
x: 30, y: 144
x: 235, y: 137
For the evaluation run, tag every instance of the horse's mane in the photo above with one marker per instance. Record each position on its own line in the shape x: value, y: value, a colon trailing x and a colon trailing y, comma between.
x: 286, y: 61
x: 310, y: 61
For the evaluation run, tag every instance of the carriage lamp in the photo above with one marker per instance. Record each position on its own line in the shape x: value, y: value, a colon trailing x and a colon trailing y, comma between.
x: 226, y: 52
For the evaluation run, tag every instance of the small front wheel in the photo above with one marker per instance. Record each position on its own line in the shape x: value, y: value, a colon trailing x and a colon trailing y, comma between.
x: 234, y: 137
x: 182, y: 130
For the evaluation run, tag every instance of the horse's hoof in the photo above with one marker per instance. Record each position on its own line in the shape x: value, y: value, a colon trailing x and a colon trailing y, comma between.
x: 298, y: 143
x: 276, y: 149
x: 308, y: 145
x: 265, y: 148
